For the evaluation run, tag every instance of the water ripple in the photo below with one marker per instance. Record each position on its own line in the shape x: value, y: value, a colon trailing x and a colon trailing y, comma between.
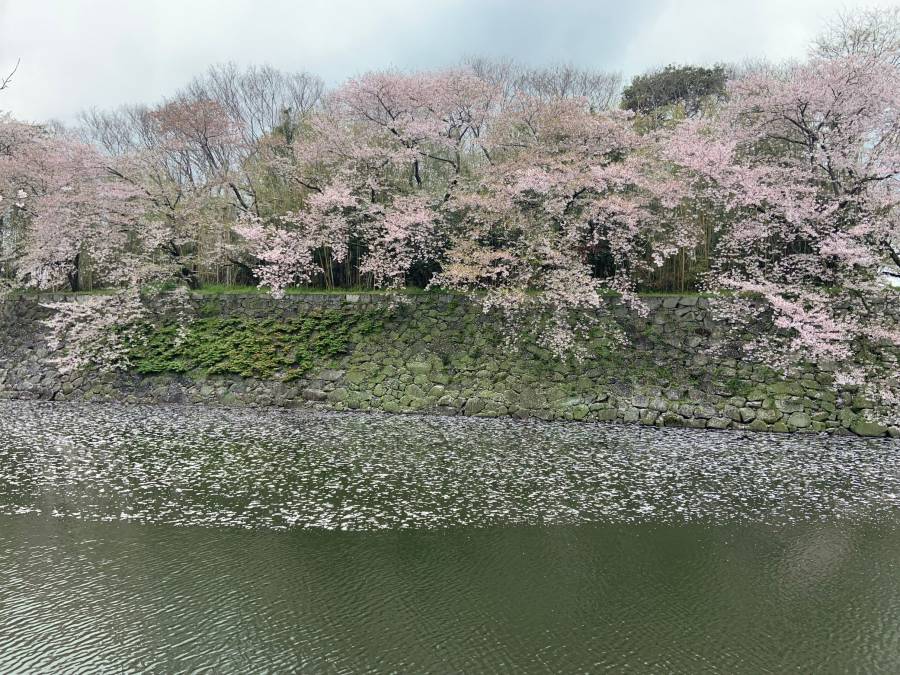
x: 299, y: 469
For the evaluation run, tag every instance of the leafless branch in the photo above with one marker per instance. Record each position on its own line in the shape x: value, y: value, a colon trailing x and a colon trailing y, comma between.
x: 4, y: 83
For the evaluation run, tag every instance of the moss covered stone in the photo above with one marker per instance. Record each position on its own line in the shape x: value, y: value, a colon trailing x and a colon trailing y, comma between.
x: 251, y: 347
x: 863, y: 428
x: 444, y: 354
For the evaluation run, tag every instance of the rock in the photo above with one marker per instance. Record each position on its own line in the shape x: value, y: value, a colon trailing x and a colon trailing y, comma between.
x: 579, y: 412
x: 799, y: 419
x: 672, y: 420
x: 758, y: 425
x: 863, y: 428
x: 356, y: 376
x: 435, y: 353
x: 789, y: 405
x: 414, y: 391
x: 419, y: 367
x: 790, y: 388
x: 439, y: 378
x: 747, y: 415
x: 846, y: 417
x: 474, y: 406
x: 659, y: 405
x: 732, y: 413
x: 649, y: 416
x: 531, y: 399
x: 861, y: 403
x: 339, y: 395
x: 704, y: 411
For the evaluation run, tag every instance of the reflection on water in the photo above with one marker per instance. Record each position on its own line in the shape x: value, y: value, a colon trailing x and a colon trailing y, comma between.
x: 596, y: 547
x: 749, y: 598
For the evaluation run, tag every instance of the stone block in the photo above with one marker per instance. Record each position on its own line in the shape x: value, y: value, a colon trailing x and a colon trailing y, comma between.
x: 799, y: 420
x: 864, y: 428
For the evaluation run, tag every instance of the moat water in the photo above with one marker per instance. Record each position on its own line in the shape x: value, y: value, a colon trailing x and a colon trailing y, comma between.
x: 190, y: 539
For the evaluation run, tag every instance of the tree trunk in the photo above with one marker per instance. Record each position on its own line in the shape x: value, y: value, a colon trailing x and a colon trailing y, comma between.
x: 75, y: 274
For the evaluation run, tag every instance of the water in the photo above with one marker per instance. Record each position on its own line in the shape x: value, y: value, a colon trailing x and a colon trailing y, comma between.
x: 164, y: 539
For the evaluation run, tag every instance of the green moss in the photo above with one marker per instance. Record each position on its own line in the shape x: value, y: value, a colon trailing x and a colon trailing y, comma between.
x: 738, y: 387
x: 210, y: 308
x: 224, y: 289
x: 261, y: 348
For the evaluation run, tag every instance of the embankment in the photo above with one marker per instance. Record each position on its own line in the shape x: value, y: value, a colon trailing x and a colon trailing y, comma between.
x: 439, y: 354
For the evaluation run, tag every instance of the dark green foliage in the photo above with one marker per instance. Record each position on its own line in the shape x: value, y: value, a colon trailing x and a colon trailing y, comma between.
x: 261, y: 348
x: 685, y: 85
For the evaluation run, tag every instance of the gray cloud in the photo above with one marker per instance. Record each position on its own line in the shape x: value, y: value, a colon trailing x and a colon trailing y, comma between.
x: 78, y: 54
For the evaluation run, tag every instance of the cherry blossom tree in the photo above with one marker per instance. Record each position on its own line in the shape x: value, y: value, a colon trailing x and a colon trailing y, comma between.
x: 804, y: 165
x: 203, y: 157
x: 73, y: 211
x: 521, y: 196
x: 567, y: 190
x: 183, y: 157
x: 520, y: 187
x: 71, y: 208
x: 380, y: 160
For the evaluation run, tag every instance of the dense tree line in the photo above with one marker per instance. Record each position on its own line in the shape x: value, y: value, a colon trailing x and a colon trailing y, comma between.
x: 522, y: 186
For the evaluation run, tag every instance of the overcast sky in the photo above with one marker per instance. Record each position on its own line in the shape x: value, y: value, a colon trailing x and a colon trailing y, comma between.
x: 81, y: 53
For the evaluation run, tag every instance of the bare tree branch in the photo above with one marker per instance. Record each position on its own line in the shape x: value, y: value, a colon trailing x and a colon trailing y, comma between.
x: 4, y: 83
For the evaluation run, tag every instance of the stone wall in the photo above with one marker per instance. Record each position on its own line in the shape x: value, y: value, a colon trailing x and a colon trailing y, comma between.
x: 441, y: 354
